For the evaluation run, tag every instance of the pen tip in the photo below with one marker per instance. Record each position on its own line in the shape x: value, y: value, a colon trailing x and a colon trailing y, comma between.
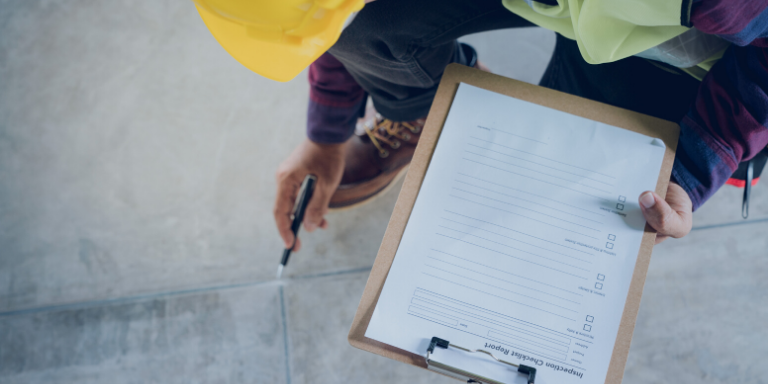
x: 279, y: 271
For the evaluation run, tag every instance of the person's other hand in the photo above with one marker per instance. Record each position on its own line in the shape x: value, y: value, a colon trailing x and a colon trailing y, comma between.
x: 670, y: 218
x: 326, y: 162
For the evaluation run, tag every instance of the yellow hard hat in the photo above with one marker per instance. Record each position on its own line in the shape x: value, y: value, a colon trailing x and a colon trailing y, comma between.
x: 276, y: 38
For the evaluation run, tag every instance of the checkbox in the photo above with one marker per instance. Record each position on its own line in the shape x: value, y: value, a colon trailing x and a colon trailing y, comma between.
x: 622, y: 199
x: 590, y: 319
x: 598, y: 285
x: 600, y: 277
x: 609, y: 245
x: 611, y: 237
x: 620, y: 206
x: 587, y: 327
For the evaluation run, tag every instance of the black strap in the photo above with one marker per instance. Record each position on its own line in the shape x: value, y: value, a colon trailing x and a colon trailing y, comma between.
x: 685, y: 13
x: 747, y: 188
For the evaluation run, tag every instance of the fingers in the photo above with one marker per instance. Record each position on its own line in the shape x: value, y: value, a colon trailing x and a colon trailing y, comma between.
x: 318, y: 206
x: 326, y: 162
x: 668, y: 222
x: 287, y: 190
x: 297, y: 246
x: 660, y: 238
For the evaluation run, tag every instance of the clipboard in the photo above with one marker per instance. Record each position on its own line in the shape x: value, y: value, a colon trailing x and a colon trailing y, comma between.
x: 454, y: 74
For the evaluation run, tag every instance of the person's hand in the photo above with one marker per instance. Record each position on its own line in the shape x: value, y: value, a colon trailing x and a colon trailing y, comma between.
x: 670, y: 218
x: 326, y: 162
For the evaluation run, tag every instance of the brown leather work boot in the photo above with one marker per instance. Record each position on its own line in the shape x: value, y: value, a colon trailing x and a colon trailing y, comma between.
x: 375, y: 160
x: 379, y: 155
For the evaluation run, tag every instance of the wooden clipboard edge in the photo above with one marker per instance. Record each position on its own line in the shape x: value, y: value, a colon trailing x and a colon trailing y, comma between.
x: 438, y: 113
x: 454, y: 74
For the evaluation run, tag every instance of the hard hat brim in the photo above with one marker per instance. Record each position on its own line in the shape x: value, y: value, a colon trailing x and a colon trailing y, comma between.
x: 273, y: 60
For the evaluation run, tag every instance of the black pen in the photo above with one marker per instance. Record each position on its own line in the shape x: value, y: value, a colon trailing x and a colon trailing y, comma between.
x: 305, y: 194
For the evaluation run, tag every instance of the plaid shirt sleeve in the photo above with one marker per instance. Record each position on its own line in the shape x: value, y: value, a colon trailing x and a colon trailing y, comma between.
x: 335, y: 101
x: 728, y: 121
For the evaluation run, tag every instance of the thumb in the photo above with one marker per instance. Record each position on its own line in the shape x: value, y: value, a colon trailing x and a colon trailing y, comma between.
x: 318, y: 206
x: 659, y: 215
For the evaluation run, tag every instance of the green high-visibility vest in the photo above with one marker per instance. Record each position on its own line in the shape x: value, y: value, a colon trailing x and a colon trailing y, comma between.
x: 610, y: 30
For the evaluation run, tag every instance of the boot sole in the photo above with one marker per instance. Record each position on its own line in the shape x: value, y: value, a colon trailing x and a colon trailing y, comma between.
x: 375, y: 195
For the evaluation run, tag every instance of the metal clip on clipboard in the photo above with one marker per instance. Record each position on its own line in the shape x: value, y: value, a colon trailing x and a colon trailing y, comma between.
x: 470, y: 377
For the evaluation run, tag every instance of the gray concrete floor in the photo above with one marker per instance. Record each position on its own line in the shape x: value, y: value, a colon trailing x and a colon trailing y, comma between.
x: 136, y: 238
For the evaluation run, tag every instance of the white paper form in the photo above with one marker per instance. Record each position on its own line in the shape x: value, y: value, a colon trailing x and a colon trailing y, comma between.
x: 523, y: 240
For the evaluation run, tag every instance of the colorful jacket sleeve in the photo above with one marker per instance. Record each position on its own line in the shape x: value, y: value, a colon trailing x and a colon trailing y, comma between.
x: 335, y: 101
x: 728, y: 122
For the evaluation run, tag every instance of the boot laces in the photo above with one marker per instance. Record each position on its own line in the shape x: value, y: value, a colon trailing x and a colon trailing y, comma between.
x: 385, y: 131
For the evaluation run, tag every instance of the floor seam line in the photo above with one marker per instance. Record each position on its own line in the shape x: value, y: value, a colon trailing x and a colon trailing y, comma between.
x: 335, y: 273
x: 128, y: 299
x: 731, y: 224
x: 285, y: 338
x: 157, y: 295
